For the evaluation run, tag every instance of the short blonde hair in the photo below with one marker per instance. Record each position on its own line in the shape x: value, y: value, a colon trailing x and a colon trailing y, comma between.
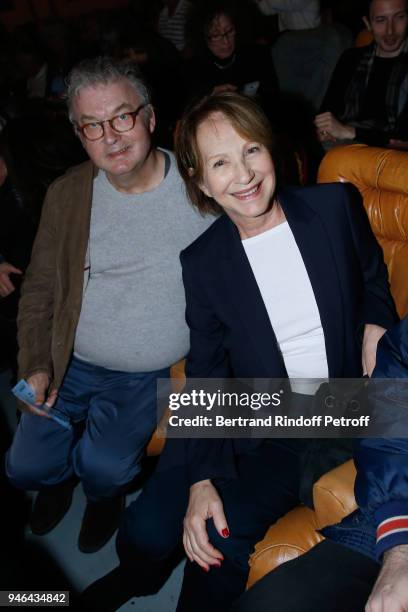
x: 246, y: 117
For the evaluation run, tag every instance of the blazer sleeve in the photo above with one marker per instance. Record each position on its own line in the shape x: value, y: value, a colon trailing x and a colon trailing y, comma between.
x: 207, y: 358
x: 35, y: 315
x: 378, y: 304
x: 382, y: 464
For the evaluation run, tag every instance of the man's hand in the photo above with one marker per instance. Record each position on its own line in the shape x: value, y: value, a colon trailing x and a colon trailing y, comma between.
x: 204, y: 503
x: 329, y: 128
x: 390, y: 592
x: 40, y: 382
x: 6, y: 286
x: 372, y: 335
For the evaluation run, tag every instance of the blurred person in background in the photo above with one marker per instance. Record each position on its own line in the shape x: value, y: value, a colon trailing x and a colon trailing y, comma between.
x: 367, y: 98
x: 225, y: 62
x: 172, y: 22
x: 292, y: 14
x: 25, y: 174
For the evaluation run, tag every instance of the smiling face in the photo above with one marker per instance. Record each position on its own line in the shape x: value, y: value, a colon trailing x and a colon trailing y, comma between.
x: 119, y: 154
x: 237, y: 172
x: 388, y: 21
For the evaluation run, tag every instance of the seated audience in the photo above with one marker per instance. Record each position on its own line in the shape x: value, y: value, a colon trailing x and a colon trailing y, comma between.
x: 101, y: 314
x: 172, y: 22
x: 367, y: 99
x: 253, y: 316
x: 25, y: 174
x: 224, y: 63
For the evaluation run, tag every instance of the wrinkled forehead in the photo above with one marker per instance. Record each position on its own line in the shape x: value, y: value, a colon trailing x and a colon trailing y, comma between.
x: 212, y: 126
x: 104, y: 98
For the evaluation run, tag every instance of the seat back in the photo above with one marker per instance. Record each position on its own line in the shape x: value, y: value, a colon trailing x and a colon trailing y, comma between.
x: 381, y: 176
x: 305, y: 59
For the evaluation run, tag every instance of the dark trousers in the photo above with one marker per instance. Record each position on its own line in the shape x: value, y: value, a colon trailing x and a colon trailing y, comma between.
x: 151, y: 528
x: 328, y: 578
x: 119, y: 412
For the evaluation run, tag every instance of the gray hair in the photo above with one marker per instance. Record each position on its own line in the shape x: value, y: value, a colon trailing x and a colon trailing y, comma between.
x: 104, y: 70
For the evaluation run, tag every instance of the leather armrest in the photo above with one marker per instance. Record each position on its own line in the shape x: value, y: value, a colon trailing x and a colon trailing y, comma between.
x: 158, y: 438
x: 288, y: 538
x: 296, y: 532
x: 333, y: 495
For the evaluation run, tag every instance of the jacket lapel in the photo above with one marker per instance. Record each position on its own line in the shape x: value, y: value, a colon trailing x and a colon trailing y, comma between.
x: 244, y: 293
x: 315, y: 248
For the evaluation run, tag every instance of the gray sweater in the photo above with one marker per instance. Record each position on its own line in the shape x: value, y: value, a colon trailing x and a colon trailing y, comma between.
x: 132, y: 316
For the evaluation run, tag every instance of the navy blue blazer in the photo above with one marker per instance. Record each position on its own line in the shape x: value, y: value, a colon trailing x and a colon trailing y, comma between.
x: 230, y: 331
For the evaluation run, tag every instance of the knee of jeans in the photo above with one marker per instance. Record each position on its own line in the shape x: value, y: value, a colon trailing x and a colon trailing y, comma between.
x: 25, y: 474
x: 102, y: 474
x: 141, y: 533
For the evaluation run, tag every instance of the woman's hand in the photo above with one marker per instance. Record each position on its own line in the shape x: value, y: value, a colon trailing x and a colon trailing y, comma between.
x: 204, y: 503
x: 372, y: 335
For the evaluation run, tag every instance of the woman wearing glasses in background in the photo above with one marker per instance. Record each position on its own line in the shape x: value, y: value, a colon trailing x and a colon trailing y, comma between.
x: 223, y: 62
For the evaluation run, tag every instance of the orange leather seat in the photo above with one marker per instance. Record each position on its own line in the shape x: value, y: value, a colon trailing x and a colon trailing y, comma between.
x: 158, y: 438
x: 364, y: 38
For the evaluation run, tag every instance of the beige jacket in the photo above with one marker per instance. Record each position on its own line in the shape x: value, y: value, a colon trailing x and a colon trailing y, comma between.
x: 51, y: 294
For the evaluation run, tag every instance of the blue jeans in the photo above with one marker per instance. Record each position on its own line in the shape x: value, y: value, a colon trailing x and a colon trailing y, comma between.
x: 118, y: 410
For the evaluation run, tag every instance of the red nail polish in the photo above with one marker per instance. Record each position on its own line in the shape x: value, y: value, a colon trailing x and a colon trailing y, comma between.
x: 225, y: 532
x: 206, y: 569
x: 217, y: 564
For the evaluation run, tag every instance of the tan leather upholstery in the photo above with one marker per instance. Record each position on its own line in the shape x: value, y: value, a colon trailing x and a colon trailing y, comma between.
x: 296, y: 532
x: 178, y: 380
x: 333, y: 495
x: 289, y: 537
x: 381, y: 176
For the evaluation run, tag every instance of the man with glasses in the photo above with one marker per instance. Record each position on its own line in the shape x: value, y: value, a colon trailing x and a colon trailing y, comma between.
x: 102, y: 309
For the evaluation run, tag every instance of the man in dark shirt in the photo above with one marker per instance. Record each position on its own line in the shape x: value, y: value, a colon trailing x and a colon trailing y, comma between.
x: 367, y: 99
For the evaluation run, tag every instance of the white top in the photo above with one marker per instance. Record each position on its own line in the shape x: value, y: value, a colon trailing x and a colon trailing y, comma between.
x: 293, y: 14
x: 290, y: 302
